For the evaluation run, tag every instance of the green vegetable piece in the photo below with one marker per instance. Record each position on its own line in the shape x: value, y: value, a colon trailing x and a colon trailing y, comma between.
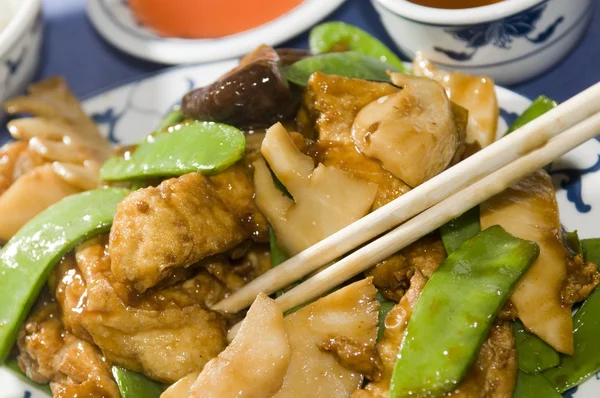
x: 384, y: 309
x: 534, y: 354
x: 534, y: 386
x: 13, y: 367
x: 538, y: 107
x: 134, y: 385
x: 349, y: 64
x: 455, y: 312
x: 460, y: 230
x: 277, y: 254
x: 204, y: 147
x: 585, y: 362
x: 170, y: 119
x: 339, y: 36
x: 571, y: 240
x: 591, y: 249
x: 28, y: 258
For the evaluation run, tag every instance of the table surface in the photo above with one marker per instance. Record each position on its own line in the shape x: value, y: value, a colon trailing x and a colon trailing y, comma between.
x: 73, y: 49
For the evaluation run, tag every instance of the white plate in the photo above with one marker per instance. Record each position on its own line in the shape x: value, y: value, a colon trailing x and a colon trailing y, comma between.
x: 127, y: 113
x: 115, y: 22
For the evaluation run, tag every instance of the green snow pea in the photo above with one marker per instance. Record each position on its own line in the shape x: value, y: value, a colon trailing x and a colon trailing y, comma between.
x: 204, y: 147
x: 591, y: 249
x: 572, y: 241
x: 339, y: 36
x: 456, y: 310
x: 28, y: 258
x: 538, y: 107
x: 384, y: 309
x: 454, y: 233
x: 277, y: 254
x: 534, y: 354
x: 577, y: 368
x: 348, y: 64
x: 170, y: 119
x: 534, y: 386
x: 134, y: 385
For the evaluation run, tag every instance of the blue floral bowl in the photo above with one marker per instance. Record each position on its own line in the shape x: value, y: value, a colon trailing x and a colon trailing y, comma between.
x: 20, y: 46
x: 511, y: 41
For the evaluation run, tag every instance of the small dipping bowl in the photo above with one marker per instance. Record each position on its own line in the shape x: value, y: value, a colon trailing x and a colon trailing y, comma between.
x: 21, y: 30
x: 511, y: 41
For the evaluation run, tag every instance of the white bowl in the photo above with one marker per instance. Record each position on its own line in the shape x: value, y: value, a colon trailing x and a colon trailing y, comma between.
x: 20, y: 45
x: 510, y: 41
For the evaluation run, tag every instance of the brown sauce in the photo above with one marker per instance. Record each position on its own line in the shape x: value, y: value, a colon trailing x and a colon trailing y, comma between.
x: 454, y: 4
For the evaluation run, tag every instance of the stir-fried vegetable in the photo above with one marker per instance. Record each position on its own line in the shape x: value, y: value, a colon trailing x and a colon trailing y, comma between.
x: 318, y: 194
x: 538, y: 107
x: 461, y: 229
x: 348, y: 64
x: 591, y: 249
x: 585, y: 361
x: 528, y: 209
x: 534, y: 354
x: 203, y: 147
x: 255, y: 94
x: 134, y: 385
x: 461, y: 299
x: 394, y: 129
x: 384, y: 309
x: 27, y: 259
x: 277, y: 254
x: 339, y: 36
x: 170, y: 119
x: 534, y: 386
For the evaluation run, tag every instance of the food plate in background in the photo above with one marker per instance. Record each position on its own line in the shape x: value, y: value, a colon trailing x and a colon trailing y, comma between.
x: 127, y: 113
x: 116, y: 23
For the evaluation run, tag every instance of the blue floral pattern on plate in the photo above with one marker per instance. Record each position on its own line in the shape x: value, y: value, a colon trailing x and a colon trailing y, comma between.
x: 501, y: 33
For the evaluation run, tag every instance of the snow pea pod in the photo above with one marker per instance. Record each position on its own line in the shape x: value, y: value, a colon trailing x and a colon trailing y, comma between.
x: 339, y: 36
x: 277, y: 254
x: 538, y: 107
x: 204, y: 147
x: 534, y: 354
x: 348, y: 64
x: 134, y: 385
x: 28, y: 258
x: 170, y: 119
x: 585, y: 361
x: 455, y: 312
x: 384, y: 309
x: 591, y: 249
x: 534, y: 386
x: 454, y: 233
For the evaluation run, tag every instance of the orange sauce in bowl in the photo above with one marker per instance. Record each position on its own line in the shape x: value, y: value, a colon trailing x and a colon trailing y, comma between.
x: 207, y: 18
x: 454, y: 4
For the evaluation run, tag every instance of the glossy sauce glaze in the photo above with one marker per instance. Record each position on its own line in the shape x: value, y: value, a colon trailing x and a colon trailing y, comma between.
x: 207, y: 18
x: 454, y: 4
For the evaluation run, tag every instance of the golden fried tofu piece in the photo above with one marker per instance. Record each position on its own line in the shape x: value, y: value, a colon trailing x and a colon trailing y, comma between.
x: 165, y: 334
x: 49, y: 353
x: 159, y: 229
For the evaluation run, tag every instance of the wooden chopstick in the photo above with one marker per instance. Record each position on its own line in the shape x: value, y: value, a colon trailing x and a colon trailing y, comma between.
x: 435, y: 217
x: 510, y: 148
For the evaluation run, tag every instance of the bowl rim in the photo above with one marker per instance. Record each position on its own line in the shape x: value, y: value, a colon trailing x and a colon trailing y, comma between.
x: 20, y: 21
x: 465, y: 16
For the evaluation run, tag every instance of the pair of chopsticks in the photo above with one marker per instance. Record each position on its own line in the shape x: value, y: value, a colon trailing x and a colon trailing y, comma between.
x: 428, y: 206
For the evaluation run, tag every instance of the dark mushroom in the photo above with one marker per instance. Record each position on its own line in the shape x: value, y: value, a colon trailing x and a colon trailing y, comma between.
x: 254, y: 94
